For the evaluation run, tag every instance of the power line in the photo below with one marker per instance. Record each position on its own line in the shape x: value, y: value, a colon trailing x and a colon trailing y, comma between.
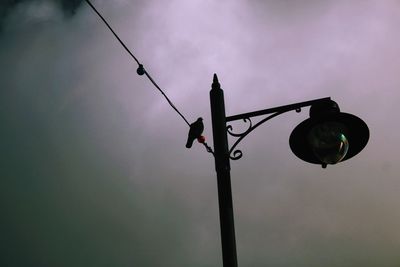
x: 141, y: 69
x: 109, y: 27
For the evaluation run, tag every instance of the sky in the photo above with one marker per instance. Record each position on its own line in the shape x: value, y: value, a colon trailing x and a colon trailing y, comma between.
x: 94, y: 169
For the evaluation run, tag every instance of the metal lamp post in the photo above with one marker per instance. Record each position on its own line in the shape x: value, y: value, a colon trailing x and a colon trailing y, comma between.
x: 327, y: 137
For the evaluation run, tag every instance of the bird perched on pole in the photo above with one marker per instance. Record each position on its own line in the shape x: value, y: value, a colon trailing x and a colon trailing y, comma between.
x: 195, y: 131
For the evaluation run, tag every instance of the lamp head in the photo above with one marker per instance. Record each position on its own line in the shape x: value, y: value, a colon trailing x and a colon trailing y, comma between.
x: 328, y: 136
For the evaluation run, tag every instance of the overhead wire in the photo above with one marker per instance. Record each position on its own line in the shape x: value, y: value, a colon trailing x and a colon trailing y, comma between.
x: 142, y: 71
x: 109, y: 27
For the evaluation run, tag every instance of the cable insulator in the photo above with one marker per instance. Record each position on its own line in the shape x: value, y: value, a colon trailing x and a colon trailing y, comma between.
x: 140, y: 70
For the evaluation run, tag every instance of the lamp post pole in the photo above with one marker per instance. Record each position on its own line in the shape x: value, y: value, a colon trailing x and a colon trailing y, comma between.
x: 222, y: 166
x: 323, y: 109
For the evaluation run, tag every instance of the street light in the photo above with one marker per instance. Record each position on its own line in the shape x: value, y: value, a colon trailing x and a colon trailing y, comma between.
x: 327, y: 137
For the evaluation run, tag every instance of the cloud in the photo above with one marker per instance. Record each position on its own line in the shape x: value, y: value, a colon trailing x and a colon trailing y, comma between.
x: 68, y: 6
x: 19, y: 13
x: 94, y: 169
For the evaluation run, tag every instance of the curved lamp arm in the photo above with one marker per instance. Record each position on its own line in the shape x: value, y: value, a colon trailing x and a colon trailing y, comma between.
x: 235, y: 154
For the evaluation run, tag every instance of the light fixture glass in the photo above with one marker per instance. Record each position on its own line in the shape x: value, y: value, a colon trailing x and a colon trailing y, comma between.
x: 328, y: 142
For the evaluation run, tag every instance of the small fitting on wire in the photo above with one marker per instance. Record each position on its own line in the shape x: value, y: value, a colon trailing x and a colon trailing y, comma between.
x: 140, y: 70
x: 201, y: 139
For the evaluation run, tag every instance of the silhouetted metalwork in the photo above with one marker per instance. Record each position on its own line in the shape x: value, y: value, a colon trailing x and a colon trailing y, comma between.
x: 237, y: 154
x: 296, y: 106
x: 221, y: 155
x: 327, y: 137
x: 208, y: 148
x: 349, y: 127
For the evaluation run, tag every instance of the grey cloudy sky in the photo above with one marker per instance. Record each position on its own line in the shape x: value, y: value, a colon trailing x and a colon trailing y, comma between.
x: 94, y: 171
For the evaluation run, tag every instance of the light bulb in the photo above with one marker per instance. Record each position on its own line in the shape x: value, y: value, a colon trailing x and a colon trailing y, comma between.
x: 329, y: 142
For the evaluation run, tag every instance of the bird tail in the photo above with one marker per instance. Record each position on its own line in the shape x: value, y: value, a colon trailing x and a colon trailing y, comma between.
x: 189, y: 143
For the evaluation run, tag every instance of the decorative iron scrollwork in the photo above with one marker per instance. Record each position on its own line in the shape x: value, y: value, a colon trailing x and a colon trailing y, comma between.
x: 229, y: 128
x: 235, y: 154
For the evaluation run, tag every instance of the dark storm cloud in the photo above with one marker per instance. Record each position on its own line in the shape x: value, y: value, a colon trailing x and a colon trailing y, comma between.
x: 72, y: 193
x: 94, y: 171
x: 69, y: 7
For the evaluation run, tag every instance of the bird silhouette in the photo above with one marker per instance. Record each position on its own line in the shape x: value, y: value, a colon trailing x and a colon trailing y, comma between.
x: 195, y: 131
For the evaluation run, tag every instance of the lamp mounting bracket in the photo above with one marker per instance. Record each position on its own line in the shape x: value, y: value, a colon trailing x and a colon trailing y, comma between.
x: 235, y: 154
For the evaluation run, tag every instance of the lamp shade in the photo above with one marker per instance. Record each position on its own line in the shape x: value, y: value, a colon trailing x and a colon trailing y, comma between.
x: 328, y: 136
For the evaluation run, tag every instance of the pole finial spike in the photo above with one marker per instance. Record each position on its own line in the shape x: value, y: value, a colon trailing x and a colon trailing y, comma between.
x: 215, y: 79
x: 215, y: 84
